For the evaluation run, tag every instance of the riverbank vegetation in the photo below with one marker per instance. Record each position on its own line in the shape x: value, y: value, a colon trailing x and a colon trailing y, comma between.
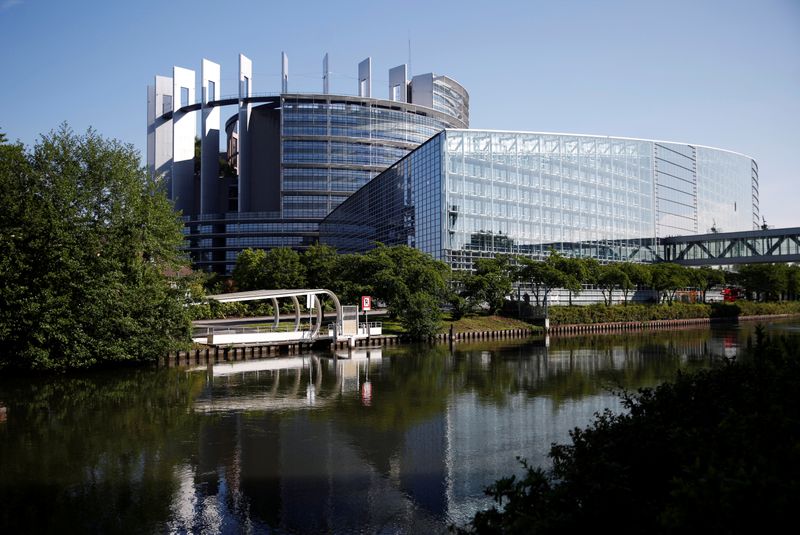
x: 716, y: 451
x: 415, y: 288
x: 91, y: 271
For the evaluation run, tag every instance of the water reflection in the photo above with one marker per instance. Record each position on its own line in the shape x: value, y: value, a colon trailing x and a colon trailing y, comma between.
x: 393, y: 440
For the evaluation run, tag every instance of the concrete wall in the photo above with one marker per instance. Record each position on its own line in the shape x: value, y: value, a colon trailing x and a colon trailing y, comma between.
x: 210, y: 183
x: 265, y: 186
x: 422, y: 90
x: 184, y: 130
x: 398, y: 78
x: 245, y: 90
x: 365, y: 78
x: 159, y: 131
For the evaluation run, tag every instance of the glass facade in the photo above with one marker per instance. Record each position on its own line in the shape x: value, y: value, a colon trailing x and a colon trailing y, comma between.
x: 451, y: 98
x: 471, y: 193
x: 332, y: 146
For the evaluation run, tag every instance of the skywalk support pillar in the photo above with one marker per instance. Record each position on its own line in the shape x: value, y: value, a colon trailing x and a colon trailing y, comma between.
x: 184, y: 130
x: 209, y: 140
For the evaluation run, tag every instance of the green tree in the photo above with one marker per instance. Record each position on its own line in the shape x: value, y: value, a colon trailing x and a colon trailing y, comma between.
x: 542, y: 276
x: 400, y: 276
x: 491, y: 282
x: 793, y: 282
x: 320, y: 264
x: 667, y: 279
x: 576, y: 273
x: 420, y: 316
x: 352, y: 279
x: 91, y: 272
x: 638, y: 274
x: 247, y: 272
x: 283, y: 270
x: 766, y: 281
x: 611, y: 277
x: 276, y: 269
x: 705, y: 278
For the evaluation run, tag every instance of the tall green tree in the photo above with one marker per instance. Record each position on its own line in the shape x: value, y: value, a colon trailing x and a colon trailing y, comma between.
x: 320, y: 264
x: 638, y: 274
x: 491, y: 282
x: 276, y: 269
x: 668, y: 278
x: 611, y: 277
x: 576, y: 273
x: 92, y: 271
x: 248, y: 271
x: 766, y: 281
x: 411, y: 283
x: 542, y: 276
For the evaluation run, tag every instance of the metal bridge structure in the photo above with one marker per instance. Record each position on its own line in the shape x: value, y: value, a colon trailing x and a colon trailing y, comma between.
x: 729, y: 248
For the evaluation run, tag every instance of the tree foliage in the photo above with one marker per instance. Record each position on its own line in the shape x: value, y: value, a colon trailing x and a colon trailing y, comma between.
x: 91, y: 270
x: 766, y: 281
x: 490, y: 283
x: 278, y: 268
x: 411, y: 283
x: 611, y: 276
x: 543, y: 276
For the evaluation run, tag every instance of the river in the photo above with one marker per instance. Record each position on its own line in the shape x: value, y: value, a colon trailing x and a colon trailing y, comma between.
x: 392, y: 440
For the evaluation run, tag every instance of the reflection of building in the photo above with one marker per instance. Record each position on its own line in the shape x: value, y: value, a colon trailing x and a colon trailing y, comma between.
x: 473, y: 193
x: 291, y: 157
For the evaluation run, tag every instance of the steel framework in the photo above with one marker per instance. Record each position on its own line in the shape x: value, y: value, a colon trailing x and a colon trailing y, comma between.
x: 724, y: 248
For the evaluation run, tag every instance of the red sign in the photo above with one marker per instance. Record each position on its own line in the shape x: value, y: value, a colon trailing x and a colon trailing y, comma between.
x: 366, y: 302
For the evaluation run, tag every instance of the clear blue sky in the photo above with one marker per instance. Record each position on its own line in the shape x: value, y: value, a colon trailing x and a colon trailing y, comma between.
x: 718, y: 73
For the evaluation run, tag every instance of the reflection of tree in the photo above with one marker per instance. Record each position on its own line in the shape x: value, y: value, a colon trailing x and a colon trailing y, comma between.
x: 96, y: 452
x: 573, y: 368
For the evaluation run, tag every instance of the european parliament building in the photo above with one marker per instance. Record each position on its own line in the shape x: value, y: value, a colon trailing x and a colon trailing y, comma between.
x: 350, y: 171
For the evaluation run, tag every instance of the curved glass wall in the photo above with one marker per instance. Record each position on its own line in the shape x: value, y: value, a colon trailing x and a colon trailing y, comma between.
x: 329, y: 146
x: 472, y: 193
x: 451, y: 98
x: 333, y: 146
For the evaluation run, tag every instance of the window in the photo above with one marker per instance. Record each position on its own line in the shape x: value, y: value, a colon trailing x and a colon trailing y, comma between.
x: 184, y: 96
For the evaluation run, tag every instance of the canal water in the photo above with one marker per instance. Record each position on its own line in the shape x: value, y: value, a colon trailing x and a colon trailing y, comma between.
x: 392, y: 440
